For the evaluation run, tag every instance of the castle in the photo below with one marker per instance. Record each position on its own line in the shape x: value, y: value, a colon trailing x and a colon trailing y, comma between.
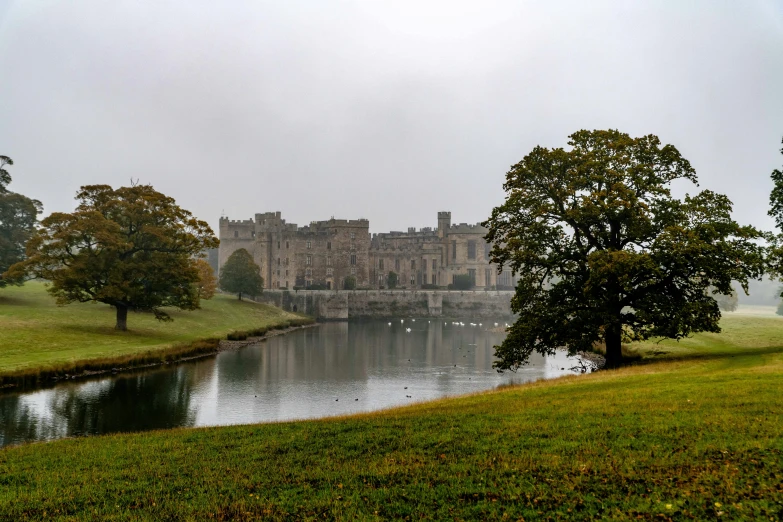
x: 325, y: 253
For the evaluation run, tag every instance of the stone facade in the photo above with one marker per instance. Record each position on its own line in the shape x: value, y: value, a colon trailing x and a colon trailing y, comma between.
x: 325, y: 253
x: 343, y: 305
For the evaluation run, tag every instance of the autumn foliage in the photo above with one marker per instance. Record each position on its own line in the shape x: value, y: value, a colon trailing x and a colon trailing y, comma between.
x: 132, y: 248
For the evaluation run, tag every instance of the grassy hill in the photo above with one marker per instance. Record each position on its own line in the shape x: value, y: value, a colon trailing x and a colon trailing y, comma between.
x: 37, y: 335
x: 697, y: 435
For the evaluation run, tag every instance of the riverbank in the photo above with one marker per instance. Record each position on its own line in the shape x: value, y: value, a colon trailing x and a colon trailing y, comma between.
x: 695, y: 435
x: 42, y: 342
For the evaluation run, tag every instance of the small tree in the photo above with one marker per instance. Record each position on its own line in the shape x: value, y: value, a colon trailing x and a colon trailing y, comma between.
x: 241, y: 275
x: 462, y: 282
x: 207, y: 282
x: 726, y: 302
x: 349, y: 283
x: 391, y: 280
x: 605, y: 254
x: 131, y: 248
x: 18, y: 215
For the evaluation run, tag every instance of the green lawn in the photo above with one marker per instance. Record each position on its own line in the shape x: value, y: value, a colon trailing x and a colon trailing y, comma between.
x: 35, y: 333
x: 696, y: 436
x: 739, y: 332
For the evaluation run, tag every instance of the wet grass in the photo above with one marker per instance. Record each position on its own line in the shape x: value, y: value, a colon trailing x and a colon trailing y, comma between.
x: 692, y: 438
x: 39, y: 339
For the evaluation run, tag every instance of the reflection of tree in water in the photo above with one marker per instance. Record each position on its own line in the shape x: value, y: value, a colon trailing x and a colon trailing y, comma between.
x: 17, y: 422
x: 152, y: 400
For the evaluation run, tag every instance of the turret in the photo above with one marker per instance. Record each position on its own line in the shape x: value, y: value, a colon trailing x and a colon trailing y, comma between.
x: 444, y: 222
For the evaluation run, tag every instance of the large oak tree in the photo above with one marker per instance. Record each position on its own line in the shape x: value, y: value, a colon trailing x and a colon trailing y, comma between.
x: 18, y: 215
x: 605, y: 254
x: 132, y: 248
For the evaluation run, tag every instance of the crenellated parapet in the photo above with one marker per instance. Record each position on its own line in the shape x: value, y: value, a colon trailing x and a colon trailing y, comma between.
x: 326, y: 253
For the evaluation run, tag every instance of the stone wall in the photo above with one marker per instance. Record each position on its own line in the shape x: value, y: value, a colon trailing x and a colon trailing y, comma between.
x: 326, y: 253
x: 361, y: 304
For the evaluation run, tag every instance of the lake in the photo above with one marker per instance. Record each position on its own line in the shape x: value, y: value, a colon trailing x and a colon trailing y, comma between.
x: 331, y: 369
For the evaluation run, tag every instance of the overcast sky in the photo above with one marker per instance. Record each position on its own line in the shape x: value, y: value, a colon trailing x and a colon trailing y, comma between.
x: 389, y: 111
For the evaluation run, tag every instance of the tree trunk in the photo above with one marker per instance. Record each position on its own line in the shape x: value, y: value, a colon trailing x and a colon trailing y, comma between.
x: 240, y: 295
x: 614, y: 352
x: 122, y: 318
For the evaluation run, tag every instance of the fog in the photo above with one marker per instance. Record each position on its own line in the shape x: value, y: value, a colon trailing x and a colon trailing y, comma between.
x: 389, y: 111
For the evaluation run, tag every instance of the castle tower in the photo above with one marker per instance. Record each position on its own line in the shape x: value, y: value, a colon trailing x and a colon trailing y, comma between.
x: 444, y: 222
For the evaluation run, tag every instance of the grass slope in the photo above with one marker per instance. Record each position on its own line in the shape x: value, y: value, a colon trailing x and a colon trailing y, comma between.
x: 698, y: 438
x: 36, y: 334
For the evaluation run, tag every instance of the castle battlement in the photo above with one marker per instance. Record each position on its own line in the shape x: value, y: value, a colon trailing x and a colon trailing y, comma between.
x: 225, y: 220
x: 329, y: 253
x: 466, y: 228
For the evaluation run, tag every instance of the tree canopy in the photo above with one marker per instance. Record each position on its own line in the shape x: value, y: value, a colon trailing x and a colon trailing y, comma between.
x: 241, y: 275
x: 18, y: 215
x: 776, y: 211
x: 391, y: 280
x: 605, y: 254
x: 132, y: 248
x: 462, y: 282
x: 207, y: 282
x: 349, y: 283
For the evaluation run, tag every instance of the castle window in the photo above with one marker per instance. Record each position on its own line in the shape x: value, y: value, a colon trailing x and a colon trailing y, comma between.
x: 353, y: 270
x: 328, y: 245
x: 286, y: 261
x: 487, y: 277
x: 329, y: 271
x: 309, y: 260
x: 278, y: 245
x: 353, y: 235
x: 236, y: 233
x: 413, y: 280
x: 380, y: 264
x: 413, y: 264
x: 353, y: 259
x: 487, y: 250
x: 472, y: 275
x: 278, y: 261
x: 278, y: 272
x: 472, y: 249
x: 328, y: 260
x: 308, y: 272
x: 433, y: 264
x: 504, y: 279
x: 397, y: 264
x: 252, y: 233
x: 286, y: 274
x: 434, y: 279
x: 286, y: 244
x: 453, y: 250
x: 308, y: 283
x: 309, y: 244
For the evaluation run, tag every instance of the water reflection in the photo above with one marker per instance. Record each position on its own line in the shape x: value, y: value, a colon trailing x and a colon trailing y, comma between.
x: 332, y: 369
x: 134, y: 402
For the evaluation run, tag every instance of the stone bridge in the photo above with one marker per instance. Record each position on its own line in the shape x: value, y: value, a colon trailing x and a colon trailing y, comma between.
x: 363, y: 304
